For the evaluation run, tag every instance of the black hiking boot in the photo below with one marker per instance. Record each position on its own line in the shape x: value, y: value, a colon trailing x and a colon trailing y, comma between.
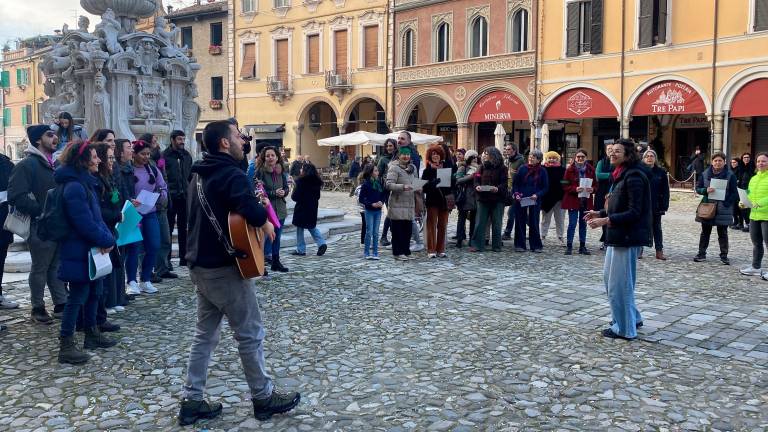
x: 70, y: 353
x: 191, y: 411
x: 95, y: 339
x: 277, y: 403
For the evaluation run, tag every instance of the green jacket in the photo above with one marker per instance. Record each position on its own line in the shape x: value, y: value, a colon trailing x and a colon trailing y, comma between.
x: 758, y: 194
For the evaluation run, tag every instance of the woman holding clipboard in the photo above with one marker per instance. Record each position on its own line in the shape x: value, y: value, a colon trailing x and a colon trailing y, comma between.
x: 725, y: 200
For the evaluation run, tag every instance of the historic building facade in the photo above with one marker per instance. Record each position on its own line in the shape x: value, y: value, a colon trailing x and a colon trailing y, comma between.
x: 678, y: 74
x: 203, y: 32
x: 463, y: 68
x: 305, y: 70
x: 23, y: 94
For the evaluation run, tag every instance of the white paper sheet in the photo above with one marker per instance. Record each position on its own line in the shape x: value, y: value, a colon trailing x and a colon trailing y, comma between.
x: 99, y: 264
x: 418, y: 184
x: 444, y: 174
x: 3, y: 196
x: 527, y: 202
x: 585, y: 183
x: 744, y: 198
x: 719, y: 185
x: 147, y: 200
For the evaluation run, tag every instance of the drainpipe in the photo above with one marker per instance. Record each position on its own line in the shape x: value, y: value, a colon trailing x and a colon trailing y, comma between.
x: 716, y: 119
x: 623, y: 131
x: 386, y: 64
x: 392, y: 81
x: 536, y: 141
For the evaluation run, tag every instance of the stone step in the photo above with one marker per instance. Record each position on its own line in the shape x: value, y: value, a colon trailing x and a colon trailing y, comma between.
x: 19, y: 261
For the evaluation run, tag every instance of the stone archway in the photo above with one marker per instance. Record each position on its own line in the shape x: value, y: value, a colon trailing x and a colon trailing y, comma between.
x: 317, y: 119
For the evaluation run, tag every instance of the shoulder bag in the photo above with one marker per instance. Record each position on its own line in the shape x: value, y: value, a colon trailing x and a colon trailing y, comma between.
x: 18, y: 222
x: 706, y: 211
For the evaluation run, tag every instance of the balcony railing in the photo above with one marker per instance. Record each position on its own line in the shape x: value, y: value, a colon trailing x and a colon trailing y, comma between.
x: 498, y: 65
x: 280, y: 87
x: 338, y: 82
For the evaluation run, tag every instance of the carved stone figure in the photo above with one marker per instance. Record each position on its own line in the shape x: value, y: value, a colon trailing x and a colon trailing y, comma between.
x: 83, y: 23
x: 101, y: 104
x: 109, y: 29
x: 164, y: 112
x: 149, y: 55
x: 170, y: 37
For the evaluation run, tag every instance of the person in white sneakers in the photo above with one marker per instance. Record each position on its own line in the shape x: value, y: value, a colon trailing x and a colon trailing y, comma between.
x: 758, y: 221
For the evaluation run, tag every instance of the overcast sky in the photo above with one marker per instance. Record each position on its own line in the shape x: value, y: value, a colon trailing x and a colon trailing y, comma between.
x: 25, y: 18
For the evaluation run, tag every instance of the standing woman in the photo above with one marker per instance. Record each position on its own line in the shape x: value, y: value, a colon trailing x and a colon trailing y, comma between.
x: 307, y: 198
x: 742, y: 181
x: 270, y: 173
x: 659, y: 198
x: 372, y: 198
x: 390, y: 154
x: 758, y: 223
x: 530, y: 182
x: 576, y: 205
x: 552, y: 203
x: 437, y: 206
x: 146, y: 178
x: 725, y: 208
x: 401, y: 207
x: 466, y: 197
x: 491, y: 187
x: 627, y: 218
x: 738, y: 170
x: 80, y: 164
x: 67, y: 131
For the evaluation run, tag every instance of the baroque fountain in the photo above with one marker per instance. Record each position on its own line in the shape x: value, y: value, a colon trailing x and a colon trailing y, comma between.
x: 117, y: 78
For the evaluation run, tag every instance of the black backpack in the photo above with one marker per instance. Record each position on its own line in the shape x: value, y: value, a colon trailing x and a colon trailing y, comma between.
x: 52, y: 225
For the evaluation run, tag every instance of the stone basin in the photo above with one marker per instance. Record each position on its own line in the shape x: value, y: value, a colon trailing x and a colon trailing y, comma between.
x: 122, y: 8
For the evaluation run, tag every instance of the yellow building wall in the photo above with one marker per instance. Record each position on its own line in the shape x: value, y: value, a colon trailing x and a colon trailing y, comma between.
x: 254, y: 106
x: 16, y: 98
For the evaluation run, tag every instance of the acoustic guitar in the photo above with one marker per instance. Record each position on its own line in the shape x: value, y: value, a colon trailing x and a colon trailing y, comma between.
x: 250, y: 241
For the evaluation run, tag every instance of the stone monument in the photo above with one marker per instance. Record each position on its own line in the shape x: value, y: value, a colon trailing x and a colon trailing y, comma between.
x: 117, y: 78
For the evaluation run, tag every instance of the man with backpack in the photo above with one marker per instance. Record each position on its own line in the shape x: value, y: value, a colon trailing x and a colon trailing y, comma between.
x: 27, y: 189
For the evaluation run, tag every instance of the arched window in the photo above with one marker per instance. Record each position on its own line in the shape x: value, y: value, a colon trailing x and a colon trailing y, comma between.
x: 408, y: 48
x: 520, y: 31
x: 479, y: 37
x: 443, y: 45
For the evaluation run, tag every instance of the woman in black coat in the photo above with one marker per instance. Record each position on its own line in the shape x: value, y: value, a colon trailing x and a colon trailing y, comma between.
x: 725, y: 208
x: 306, y: 194
x: 659, y: 198
x: 743, y: 175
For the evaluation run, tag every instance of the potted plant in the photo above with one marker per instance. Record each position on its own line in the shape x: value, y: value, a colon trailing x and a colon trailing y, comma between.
x: 215, y: 104
x: 214, y: 49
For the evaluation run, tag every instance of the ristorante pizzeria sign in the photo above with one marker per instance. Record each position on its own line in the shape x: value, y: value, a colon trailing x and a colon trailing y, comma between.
x: 669, y: 97
x: 498, y: 106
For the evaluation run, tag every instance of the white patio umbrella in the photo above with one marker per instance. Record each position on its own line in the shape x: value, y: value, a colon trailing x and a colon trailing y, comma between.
x: 544, y: 138
x: 417, y: 138
x: 499, y: 135
x: 353, y: 139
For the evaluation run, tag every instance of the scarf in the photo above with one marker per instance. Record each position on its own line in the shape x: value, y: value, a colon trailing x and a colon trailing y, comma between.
x: 617, y: 172
x: 533, y: 171
x: 582, y: 169
x: 376, y: 185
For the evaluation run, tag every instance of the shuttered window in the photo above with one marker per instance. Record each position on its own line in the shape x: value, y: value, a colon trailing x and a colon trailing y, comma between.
x: 313, y: 54
x: 217, y: 88
x: 652, y: 23
x: 248, y: 69
x: 371, y: 54
x: 281, y: 57
x: 24, y: 120
x: 6, y: 117
x: 28, y: 109
x: 340, y: 44
x: 216, y: 34
x: 761, y: 15
x: 584, y: 27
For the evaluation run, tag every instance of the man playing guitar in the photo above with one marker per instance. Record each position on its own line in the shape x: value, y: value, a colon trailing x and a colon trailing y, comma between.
x: 221, y: 291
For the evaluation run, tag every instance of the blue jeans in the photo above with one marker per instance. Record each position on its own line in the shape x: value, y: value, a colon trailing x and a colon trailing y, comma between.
x: 620, y: 277
x: 83, y: 295
x: 272, y: 248
x: 372, y: 220
x: 301, y: 246
x: 576, y: 217
x: 150, y: 230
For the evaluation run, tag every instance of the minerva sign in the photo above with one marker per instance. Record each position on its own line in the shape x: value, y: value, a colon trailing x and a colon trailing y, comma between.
x: 498, y: 106
x: 669, y: 97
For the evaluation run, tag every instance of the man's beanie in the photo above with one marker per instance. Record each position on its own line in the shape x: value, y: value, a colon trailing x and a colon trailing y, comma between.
x: 35, y: 132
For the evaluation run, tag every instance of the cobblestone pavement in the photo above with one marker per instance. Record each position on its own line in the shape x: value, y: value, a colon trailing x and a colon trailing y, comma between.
x: 488, y: 342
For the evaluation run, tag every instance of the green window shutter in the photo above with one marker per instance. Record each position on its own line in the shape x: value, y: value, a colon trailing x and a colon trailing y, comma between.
x: 5, y: 79
x: 18, y: 77
x: 596, y: 46
x: 23, y: 116
x: 572, y: 29
x: 7, y: 117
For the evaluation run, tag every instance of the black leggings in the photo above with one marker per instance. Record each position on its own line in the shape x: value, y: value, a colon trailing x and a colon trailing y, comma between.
x: 401, y: 237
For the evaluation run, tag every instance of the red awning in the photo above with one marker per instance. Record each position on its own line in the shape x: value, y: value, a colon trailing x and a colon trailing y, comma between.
x: 498, y: 106
x: 669, y: 97
x: 751, y: 100
x: 580, y: 103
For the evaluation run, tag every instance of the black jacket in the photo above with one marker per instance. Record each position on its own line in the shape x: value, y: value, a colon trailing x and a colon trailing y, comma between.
x: 33, y: 174
x: 178, y: 171
x: 226, y: 189
x: 435, y: 195
x: 126, y: 183
x: 659, y: 190
x: 110, y: 202
x: 555, y: 190
x: 629, y: 209
x: 6, y: 166
x: 306, y: 194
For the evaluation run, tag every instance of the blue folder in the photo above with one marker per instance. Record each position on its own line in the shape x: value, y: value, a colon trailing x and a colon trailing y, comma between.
x: 128, y: 231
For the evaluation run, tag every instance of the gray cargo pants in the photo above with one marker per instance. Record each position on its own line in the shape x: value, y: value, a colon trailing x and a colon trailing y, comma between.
x: 45, y: 268
x: 222, y: 292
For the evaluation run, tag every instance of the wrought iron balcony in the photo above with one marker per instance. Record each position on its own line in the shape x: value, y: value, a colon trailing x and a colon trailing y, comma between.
x: 338, y: 82
x: 280, y: 87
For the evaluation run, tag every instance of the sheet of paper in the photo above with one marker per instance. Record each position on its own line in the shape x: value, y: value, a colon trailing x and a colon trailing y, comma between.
x: 99, y: 264
x: 527, y: 202
x: 744, y: 198
x: 485, y: 188
x: 128, y: 230
x: 719, y: 185
x: 444, y: 174
x: 418, y: 184
x: 585, y: 183
x: 3, y: 196
x: 147, y: 200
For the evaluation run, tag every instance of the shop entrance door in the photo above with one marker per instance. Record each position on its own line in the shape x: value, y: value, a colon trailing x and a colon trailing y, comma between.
x: 686, y: 141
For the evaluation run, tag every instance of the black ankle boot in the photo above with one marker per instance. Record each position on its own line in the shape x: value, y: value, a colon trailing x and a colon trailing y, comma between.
x: 191, y: 411
x: 70, y: 353
x: 95, y: 339
x: 277, y: 265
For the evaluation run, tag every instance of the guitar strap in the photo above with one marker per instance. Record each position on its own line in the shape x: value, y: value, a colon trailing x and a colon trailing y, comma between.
x: 216, y: 227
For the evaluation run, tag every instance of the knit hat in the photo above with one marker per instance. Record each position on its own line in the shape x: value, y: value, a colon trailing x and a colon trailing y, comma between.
x: 35, y: 132
x: 551, y: 154
x: 404, y: 150
x: 470, y: 153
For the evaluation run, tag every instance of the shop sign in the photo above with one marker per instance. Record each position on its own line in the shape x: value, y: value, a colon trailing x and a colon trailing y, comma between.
x: 579, y: 103
x: 669, y: 97
x: 498, y: 106
x: 692, y: 122
x: 447, y: 129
